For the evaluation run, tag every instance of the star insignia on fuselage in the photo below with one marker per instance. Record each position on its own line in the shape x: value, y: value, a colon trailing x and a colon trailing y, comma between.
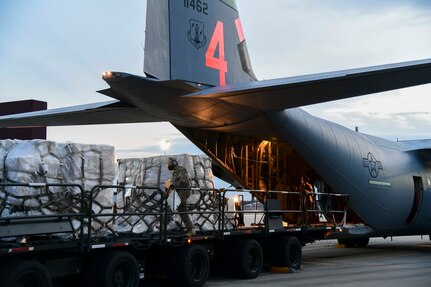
x: 373, y: 165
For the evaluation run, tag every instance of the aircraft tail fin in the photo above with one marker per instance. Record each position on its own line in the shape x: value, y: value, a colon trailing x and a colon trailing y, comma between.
x: 199, y: 41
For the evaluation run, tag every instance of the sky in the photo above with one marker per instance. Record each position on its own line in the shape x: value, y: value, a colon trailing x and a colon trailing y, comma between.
x: 56, y: 51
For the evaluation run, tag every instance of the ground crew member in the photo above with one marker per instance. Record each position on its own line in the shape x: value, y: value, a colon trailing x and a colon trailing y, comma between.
x: 181, y: 183
x: 306, y: 191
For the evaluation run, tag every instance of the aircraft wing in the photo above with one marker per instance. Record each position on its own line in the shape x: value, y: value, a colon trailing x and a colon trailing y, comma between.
x: 412, y: 145
x: 299, y: 91
x: 98, y: 113
x: 140, y: 99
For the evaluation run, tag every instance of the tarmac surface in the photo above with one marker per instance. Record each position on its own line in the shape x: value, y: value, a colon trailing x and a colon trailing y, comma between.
x: 404, y: 261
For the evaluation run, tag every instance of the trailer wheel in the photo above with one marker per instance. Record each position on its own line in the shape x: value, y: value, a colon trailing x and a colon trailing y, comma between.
x: 118, y: 268
x: 362, y: 242
x: 190, y: 266
x: 348, y: 243
x: 26, y: 273
x: 248, y: 258
x: 286, y: 252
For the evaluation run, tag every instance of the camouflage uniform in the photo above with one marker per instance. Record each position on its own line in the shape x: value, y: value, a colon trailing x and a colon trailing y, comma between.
x: 180, y: 182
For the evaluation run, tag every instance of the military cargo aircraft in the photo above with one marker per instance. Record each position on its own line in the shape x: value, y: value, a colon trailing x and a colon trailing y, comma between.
x: 199, y: 78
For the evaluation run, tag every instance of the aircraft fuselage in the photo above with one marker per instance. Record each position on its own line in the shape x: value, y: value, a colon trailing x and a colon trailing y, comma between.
x: 389, y: 182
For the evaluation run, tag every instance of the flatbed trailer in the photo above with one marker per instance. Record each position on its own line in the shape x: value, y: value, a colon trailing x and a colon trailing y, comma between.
x: 36, y: 250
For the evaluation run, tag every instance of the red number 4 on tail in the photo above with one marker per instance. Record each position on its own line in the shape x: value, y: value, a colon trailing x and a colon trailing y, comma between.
x: 211, y: 61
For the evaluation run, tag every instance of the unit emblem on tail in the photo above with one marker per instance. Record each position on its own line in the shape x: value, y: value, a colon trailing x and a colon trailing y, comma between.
x: 196, y: 34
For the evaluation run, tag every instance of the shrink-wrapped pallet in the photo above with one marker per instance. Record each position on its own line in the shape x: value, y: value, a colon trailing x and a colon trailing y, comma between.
x: 41, y: 161
x: 153, y: 173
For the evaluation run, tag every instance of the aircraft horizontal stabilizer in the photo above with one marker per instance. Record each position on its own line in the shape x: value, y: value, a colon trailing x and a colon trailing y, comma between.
x: 139, y: 99
x: 299, y: 91
x: 97, y: 113
x: 141, y: 91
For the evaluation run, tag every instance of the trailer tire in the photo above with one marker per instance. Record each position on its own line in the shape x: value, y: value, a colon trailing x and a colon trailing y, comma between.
x: 190, y: 266
x: 348, y: 243
x: 362, y: 242
x: 24, y: 273
x: 286, y: 252
x: 248, y: 259
x: 118, y: 268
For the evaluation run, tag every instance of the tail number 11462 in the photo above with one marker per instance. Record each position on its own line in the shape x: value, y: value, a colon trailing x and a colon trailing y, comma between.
x: 197, y: 5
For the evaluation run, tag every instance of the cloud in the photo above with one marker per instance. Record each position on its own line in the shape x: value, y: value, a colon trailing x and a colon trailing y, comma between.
x: 319, y: 36
x: 400, y: 114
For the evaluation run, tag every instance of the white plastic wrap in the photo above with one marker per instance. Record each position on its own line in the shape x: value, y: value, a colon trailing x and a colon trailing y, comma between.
x: 41, y: 161
x: 153, y: 172
x: 90, y: 165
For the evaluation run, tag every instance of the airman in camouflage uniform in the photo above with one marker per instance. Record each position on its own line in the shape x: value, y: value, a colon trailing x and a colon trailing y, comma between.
x: 181, y: 183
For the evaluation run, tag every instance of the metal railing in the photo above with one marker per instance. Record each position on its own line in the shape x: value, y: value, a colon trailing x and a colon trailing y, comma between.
x: 298, y: 207
x: 126, y: 209
x: 35, y: 219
